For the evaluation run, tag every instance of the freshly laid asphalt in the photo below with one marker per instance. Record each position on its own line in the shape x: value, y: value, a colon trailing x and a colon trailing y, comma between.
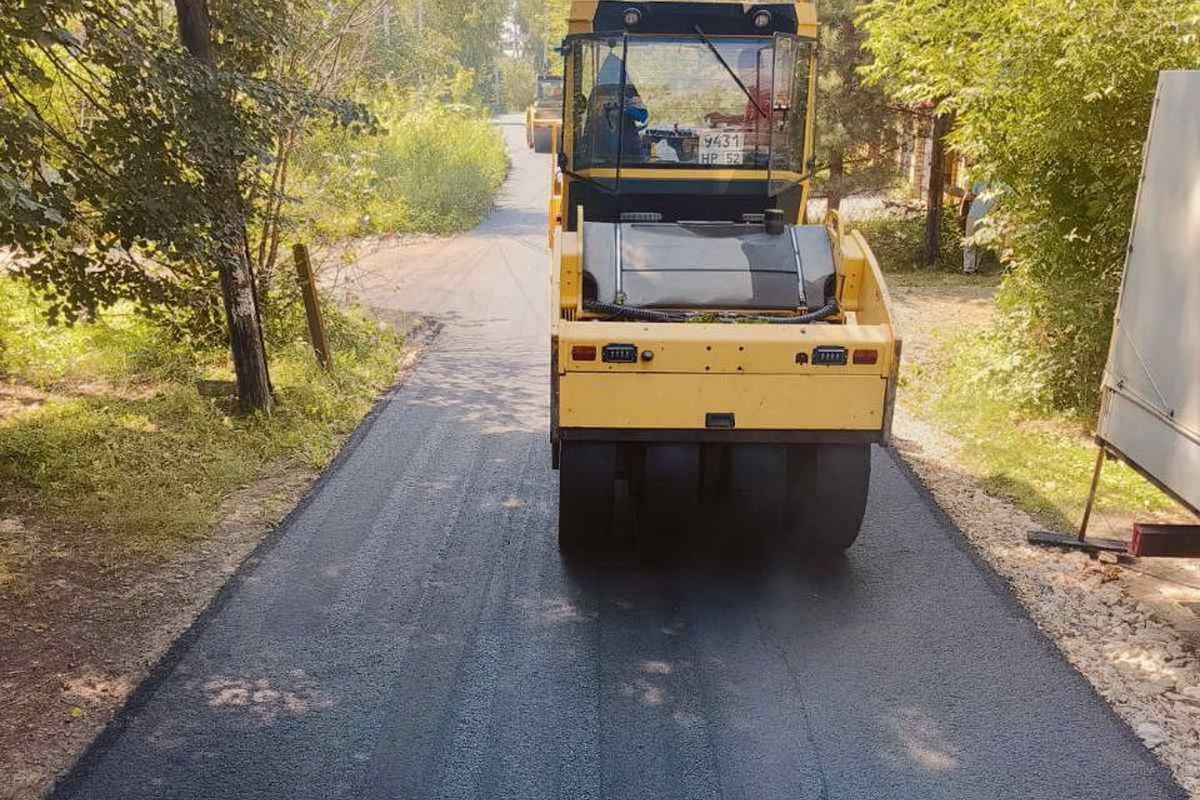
x: 413, y: 632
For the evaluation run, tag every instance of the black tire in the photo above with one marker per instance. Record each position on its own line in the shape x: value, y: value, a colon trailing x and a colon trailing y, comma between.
x: 755, y: 491
x: 586, y: 473
x: 826, y: 495
x: 666, y: 488
x: 541, y: 140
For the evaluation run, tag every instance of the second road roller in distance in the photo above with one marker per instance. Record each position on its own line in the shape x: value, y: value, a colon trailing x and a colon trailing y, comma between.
x: 545, y: 115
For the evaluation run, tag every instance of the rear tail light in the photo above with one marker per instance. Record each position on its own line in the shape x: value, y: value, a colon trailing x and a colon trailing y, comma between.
x: 866, y: 357
x: 583, y: 352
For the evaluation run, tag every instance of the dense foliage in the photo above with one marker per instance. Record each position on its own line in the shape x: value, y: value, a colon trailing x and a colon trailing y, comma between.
x: 431, y: 43
x: 898, y: 240
x: 110, y: 136
x: 1052, y: 101
x: 518, y: 75
x: 540, y: 27
x: 116, y: 143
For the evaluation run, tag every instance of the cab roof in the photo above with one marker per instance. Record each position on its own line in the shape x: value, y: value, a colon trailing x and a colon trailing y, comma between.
x: 717, y: 17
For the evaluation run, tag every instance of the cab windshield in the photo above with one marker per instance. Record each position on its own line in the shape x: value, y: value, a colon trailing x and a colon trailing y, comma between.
x: 730, y: 102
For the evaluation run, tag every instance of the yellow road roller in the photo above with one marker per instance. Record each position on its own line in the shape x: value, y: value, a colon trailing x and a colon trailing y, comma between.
x: 545, y: 115
x: 696, y: 308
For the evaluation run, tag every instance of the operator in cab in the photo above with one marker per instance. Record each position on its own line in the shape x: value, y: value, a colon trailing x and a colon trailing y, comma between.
x: 616, y: 115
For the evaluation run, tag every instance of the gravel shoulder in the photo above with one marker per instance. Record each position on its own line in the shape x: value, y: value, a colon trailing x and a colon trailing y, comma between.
x: 1126, y: 628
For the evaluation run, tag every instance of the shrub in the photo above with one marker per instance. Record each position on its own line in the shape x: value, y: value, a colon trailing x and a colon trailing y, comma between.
x: 517, y: 83
x: 898, y: 241
x: 432, y: 169
x: 446, y: 165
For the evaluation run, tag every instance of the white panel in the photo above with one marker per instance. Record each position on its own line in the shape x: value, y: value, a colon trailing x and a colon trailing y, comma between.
x: 1151, y: 410
x: 1157, y: 448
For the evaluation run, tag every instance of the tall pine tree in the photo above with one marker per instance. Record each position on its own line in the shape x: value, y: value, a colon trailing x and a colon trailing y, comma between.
x: 856, y: 127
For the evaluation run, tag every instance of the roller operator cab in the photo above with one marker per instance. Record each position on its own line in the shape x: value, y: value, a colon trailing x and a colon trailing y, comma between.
x: 545, y: 115
x: 696, y: 309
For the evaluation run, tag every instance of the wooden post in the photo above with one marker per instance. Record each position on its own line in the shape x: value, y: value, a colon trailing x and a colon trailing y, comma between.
x: 312, y: 305
x: 1091, y: 500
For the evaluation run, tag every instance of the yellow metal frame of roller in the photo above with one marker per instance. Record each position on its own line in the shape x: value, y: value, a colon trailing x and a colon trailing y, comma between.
x: 754, y: 372
x: 751, y: 371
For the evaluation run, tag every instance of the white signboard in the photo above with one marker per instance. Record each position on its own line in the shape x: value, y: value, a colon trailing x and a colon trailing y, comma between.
x: 1151, y: 392
x: 723, y: 147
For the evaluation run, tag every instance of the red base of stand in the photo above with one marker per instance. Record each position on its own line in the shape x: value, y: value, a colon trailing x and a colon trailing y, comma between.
x: 1165, y: 541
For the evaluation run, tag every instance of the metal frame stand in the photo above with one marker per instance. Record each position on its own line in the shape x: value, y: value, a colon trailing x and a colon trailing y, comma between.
x: 1080, y: 541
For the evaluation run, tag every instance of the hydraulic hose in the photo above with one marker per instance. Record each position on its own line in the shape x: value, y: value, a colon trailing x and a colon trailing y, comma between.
x: 631, y: 312
x: 650, y: 315
x: 824, y: 312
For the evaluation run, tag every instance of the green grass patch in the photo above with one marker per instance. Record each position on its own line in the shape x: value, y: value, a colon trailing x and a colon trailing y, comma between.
x: 1039, y: 458
x: 940, y: 279
x: 112, y: 445
x: 123, y: 346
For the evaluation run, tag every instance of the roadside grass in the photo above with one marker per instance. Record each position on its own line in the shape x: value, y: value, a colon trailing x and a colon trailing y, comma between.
x: 969, y: 386
x: 965, y: 382
x: 106, y: 443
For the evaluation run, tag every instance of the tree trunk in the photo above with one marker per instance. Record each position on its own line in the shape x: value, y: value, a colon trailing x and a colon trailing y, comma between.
x: 272, y: 228
x: 195, y: 28
x: 237, y: 282
x: 936, y: 189
x: 837, y: 170
x: 277, y: 212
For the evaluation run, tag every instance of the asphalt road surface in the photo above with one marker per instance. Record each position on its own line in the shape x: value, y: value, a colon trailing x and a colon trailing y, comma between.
x: 412, y: 631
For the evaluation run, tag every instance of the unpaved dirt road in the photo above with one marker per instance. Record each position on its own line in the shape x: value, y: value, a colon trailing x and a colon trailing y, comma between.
x: 412, y: 631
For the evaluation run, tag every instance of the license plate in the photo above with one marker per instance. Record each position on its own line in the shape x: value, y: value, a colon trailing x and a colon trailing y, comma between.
x: 723, y: 147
